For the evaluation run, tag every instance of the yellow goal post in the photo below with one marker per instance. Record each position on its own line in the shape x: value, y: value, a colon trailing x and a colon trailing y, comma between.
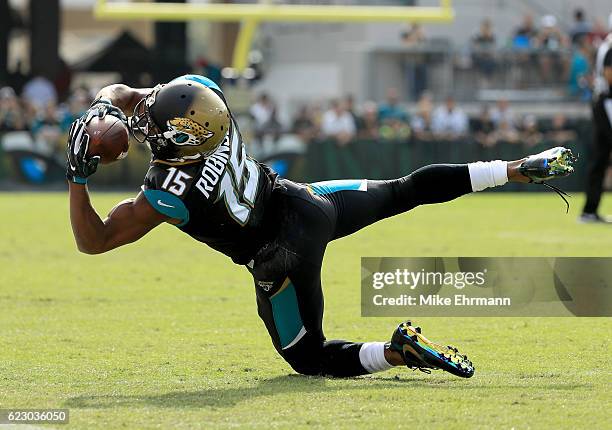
x: 250, y: 15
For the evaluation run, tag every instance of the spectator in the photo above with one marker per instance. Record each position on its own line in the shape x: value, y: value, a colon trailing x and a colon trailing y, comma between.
x: 551, y: 42
x: 580, y: 27
x: 421, y: 121
x: 266, y: 128
x: 12, y: 117
x: 502, y: 114
x: 349, y: 102
x: 369, y: 126
x: 449, y: 120
x: 391, y: 110
x: 303, y: 125
x: 551, y: 38
x: 316, y: 115
x: 484, y: 127
x: 78, y: 103
x: 598, y: 33
x: 560, y: 132
x: 523, y: 40
x: 506, y: 134
x: 338, y: 123
x: 531, y: 134
x: 261, y: 111
x: 415, y: 66
x: 46, y: 127
x: 579, y: 84
x: 525, y: 34
x: 272, y: 127
x: 483, y: 50
x: 394, y: 129
x: 39, y: 92
x: 203, y: 66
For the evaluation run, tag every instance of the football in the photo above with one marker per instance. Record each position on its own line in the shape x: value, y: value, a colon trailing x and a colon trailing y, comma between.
x: 108, y: 138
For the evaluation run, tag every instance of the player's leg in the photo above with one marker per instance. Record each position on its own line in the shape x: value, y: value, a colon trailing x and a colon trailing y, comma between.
x: 363, y: 202
x: 290, y: 298
x: 287, y: 275
x: 597, y: 169
x: 292, y: 311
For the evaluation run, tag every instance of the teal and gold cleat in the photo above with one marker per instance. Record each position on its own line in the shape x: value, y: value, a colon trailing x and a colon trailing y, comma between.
x: 420, y: 353
x: 553, y: 163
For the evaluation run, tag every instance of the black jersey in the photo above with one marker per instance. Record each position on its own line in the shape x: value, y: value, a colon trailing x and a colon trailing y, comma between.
x: 221, y: 199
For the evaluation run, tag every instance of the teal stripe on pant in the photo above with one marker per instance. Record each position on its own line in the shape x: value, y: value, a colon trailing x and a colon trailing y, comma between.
x: 286, y: 313
x: 328, y: 187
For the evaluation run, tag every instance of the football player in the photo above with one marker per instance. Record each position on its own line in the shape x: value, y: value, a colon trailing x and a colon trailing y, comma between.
x: 202, y: 181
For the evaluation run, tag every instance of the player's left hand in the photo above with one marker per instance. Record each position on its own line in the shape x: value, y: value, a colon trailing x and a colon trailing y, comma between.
x: 79, y: 166
x: 102, y: 107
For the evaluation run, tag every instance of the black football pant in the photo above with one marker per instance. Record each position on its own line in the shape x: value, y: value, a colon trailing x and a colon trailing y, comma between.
x: 287, y: 270
x: 599, y: 157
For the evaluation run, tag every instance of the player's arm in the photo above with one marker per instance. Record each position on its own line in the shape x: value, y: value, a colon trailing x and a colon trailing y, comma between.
x: 122, y: 96
x: 127, y: 222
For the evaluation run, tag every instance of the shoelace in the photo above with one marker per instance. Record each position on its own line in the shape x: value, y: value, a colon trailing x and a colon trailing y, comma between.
x: 413, y: 365
x: 560, y: 192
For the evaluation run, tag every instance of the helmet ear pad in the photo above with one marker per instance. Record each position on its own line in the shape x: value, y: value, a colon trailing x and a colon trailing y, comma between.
x: 193, y: 118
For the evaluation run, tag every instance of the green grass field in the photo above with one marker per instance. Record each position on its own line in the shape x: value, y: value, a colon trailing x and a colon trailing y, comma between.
x: 164, y: 333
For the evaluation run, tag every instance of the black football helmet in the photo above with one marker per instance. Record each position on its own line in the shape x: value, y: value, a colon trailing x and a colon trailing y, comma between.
x: 181, y: 120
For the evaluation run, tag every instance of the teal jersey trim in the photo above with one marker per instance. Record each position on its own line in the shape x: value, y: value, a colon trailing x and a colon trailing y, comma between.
x: 200, y: 79
x: 286, y: 313
x: 168, y: 204
x: 328, y: 187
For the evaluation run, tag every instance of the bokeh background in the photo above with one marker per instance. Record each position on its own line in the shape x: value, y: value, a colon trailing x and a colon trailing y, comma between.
x: 317, y: 101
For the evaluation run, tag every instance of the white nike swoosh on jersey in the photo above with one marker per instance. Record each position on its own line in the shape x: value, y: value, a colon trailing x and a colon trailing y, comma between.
x: 159, y: 202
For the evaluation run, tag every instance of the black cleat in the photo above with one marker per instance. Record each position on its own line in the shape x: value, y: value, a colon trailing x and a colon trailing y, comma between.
x: 420, y: 353
x: 553, y: 163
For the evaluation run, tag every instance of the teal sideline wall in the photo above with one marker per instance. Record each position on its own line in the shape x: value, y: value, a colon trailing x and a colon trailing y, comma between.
x: 382, y: 159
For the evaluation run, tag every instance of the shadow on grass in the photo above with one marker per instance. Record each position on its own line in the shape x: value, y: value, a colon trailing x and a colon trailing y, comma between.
x: 228, y: 396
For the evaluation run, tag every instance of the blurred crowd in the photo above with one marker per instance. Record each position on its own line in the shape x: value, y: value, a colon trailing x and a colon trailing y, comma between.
x: 558, y: 54
x: 542, y: 45
x: 37, y: 110
x: 344, y: 122
x: 541, y: 50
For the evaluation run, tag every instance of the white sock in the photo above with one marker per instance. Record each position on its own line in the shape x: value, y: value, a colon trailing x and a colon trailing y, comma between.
x: 372, y: 357
x: 487, y: 174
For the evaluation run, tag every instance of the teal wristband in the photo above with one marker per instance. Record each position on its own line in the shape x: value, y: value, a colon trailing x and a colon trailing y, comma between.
x: 79, y: 180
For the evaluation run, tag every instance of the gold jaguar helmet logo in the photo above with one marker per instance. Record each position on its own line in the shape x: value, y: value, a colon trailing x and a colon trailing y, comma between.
x: 185, y: 131
x: 183, y: 120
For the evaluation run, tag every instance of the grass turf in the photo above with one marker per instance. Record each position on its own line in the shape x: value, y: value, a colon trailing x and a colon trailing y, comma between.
x: 164, y: 333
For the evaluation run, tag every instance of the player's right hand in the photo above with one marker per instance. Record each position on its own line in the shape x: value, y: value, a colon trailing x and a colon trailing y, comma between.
x: 79, y: 166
